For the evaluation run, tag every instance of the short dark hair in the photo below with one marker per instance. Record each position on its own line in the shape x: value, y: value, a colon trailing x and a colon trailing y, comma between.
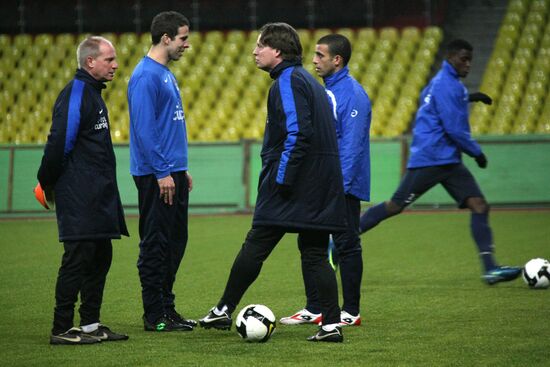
x: 282, y: 37
x: 337, y: 45
x: 458, y: 44
x: 167, y: 22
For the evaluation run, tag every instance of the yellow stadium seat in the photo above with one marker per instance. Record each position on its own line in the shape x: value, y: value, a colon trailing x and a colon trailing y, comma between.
x: 539, y: 6
x: 236, y: 36
x: 518, y: 6
x: 367, y: 35
x: 348, y: 33
x: 305, y: 37
x: 433, y: 33
x: 215, y: 38
x: 411, y: 34
x: 66, y: 39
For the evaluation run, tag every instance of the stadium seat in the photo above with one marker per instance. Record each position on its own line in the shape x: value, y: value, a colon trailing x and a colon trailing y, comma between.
x: 218, y: 74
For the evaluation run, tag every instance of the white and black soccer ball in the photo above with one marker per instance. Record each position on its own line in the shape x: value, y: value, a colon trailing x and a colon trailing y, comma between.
x: 536, y: 273
x: 255, y: 323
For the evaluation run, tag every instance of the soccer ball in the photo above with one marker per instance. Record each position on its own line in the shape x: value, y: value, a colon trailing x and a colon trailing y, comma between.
x: 255, y: 323
x: 536, y: 273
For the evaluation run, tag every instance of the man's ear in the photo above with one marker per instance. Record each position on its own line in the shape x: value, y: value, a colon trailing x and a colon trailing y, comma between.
x: 338, y: 60
x: 90, y: 62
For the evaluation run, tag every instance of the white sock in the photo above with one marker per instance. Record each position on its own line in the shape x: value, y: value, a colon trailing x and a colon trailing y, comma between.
x: 219, y: 312
x: 330, y: 327
x: 89, y: 328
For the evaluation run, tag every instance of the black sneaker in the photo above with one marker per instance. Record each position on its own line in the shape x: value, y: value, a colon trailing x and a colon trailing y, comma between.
x: 164, y: 323
x: 73, y: 336
x: 333, y: 336
x: 220, y: 322
x: 104, y: 334
x: 176, y: 317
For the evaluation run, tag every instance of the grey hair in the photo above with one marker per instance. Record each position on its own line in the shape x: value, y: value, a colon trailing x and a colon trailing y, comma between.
x: 89, y: 47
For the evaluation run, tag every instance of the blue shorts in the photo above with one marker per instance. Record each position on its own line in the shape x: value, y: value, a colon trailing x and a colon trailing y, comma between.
x: 455, y: 178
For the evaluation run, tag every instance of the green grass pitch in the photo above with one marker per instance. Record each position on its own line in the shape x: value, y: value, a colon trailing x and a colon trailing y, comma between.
x: 423, y: 303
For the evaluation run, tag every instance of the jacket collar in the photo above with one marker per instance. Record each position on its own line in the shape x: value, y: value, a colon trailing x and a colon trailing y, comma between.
x: 449, y: 69
x: 336, y: 77
x: 277, y: 70
x: 83, y: 75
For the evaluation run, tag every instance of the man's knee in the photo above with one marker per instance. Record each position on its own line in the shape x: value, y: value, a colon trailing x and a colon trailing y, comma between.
x: 393, y: 208
x: 478, y: 205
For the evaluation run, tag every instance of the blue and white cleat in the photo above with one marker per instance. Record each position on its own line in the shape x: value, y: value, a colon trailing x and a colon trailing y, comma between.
x: 501, y: 274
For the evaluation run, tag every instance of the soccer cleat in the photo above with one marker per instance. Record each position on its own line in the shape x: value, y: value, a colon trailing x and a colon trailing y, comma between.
x: 73, y: 336
x: 220, y: 322
x: 164, y: 323
x: 501, y: 274
x: 347, y: 319
x: 302, y: 317
x: 333, y: 336
x: 176, y: 317
x: 104, y: 334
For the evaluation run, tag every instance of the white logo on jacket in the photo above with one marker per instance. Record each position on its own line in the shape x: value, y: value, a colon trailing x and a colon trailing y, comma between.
x: 179, y: 115
x: 101, y: 122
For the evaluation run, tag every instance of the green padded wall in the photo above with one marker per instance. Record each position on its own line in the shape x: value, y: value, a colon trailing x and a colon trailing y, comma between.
x: 4, y: 172
x: 385, y: 169
x: 518, y: 173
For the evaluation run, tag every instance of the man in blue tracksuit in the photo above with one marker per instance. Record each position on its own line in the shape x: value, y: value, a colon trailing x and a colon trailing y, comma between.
x: 79, y: 166
x: 158, y: 163
x: 352, y: 117
x: 441, y: 133
x: 300, y: 187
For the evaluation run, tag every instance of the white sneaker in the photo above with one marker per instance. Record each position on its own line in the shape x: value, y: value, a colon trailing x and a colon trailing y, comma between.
x: 347, y: 319
x: 302, y: 317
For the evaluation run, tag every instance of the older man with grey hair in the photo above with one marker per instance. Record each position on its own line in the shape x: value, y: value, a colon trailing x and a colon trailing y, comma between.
x: 79, y: 166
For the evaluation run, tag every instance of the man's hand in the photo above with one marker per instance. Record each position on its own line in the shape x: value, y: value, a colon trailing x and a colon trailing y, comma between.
x: 480, y: 97
x: 189, y: 181
x: 481, y: 160
x: 167, y: 189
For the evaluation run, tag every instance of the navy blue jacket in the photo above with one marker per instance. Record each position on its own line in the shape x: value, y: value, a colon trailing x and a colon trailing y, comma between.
x: 300, y: 185
x: 79, y: 164
x: 352, y: 112
x: 442, y: 131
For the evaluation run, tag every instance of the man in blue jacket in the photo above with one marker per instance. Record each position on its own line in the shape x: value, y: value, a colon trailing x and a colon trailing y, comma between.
x: 300, y: 186
x: 79, y: 167
x: 352, y: 117
x: 440, y: 134
x: 158, y: 164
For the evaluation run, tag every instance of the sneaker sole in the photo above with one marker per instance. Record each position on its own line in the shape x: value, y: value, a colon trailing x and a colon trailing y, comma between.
x: 217, y: 327
x: 59, y: 341
x: 166, y: 330
x: 329, y: 339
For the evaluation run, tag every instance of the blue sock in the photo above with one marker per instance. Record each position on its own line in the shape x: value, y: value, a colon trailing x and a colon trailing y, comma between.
x: 483, y: 237
x: 372, y: 217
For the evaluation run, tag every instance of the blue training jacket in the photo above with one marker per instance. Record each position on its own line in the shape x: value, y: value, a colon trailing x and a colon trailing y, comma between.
x: 442, y: 131
x: 158, y: 137
x: 79, y: 164
x: 299, y: 152
x: 352, y: 112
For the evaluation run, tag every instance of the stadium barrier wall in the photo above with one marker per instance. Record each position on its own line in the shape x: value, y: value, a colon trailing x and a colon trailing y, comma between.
x: 225, y: 175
